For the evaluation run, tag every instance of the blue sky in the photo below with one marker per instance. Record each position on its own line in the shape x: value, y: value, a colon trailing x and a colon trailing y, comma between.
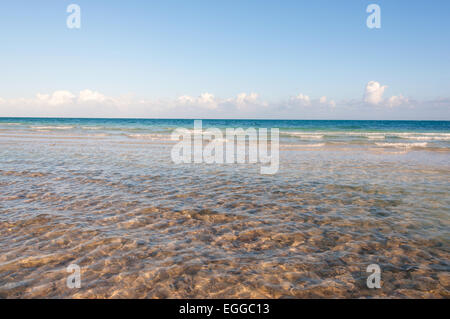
x: 250, y: 58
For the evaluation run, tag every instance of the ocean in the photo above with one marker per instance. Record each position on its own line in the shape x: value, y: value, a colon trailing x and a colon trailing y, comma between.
x: 104, y: 194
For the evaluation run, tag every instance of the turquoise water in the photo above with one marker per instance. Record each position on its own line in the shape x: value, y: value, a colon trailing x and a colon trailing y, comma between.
x: 301, y: 125
x: 432, y: 135
x: 104, y: 194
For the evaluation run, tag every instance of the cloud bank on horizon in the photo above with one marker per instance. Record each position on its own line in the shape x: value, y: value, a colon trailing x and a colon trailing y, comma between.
x: 91, y: 103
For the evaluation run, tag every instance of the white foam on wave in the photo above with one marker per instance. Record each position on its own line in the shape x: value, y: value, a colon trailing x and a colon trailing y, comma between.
x: 402, y: 145
x: 151, y: 136
x: 302, y: 135
x: 421, y: 133
x: 52, y: 127
x: 419, y: 136
x: 428, y: 138
x: 376, y: 137
x: 303, y: 145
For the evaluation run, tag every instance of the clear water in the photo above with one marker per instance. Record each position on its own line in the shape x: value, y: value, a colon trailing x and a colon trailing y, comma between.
x: 104, y: 194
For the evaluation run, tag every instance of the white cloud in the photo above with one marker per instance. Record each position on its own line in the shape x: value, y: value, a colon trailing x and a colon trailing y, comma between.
x: 55, y: 99
x: 324, y: 100
x: 205, y: 100
x: 374, y: 95
x: 374, y: 92
x: 91, y: 103
x: 91, y: 96
x: 397, y: 100
x: 244, y: 100
x: 302, y: 99
x: 185, y: 99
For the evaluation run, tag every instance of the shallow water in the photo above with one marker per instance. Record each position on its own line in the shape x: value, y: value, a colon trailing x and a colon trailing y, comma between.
x: 108, y: 198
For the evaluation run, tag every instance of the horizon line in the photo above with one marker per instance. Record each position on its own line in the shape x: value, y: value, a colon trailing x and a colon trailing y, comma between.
x: 212, y: 119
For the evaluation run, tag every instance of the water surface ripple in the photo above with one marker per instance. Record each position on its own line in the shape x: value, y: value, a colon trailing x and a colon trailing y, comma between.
x: 140, y: 226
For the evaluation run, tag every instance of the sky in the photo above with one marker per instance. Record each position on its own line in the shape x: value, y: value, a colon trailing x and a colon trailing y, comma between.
x: 226, y: 59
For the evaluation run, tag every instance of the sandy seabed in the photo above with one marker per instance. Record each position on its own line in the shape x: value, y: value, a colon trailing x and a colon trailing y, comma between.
x: 141, y: 227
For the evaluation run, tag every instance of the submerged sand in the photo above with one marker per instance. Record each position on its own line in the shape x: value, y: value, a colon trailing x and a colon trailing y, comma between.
x: 141, y: 227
